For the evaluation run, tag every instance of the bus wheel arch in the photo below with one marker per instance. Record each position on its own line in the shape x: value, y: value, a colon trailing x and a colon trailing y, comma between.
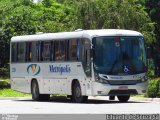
x: 35, y: 92
x: 77, y: 92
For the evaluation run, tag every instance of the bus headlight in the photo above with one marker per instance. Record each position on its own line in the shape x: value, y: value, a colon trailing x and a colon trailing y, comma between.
x: 99, y: 79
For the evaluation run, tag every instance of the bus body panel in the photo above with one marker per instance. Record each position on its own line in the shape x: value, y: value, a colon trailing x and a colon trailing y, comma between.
x: 48, y: 76
x: 55, y: 83
x: 101, y: 89
x: 104, y: 88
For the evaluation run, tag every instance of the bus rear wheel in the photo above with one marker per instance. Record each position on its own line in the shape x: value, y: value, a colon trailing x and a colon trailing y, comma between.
x: 124, y: 98
x: 35, y: 93
x: 77, y: 93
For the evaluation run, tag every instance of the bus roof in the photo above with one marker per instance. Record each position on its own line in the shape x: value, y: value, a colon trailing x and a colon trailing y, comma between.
x: 76, y: 34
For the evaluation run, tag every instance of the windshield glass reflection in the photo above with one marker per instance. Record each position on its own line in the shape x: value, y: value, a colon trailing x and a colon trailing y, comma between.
x: 119, y: 55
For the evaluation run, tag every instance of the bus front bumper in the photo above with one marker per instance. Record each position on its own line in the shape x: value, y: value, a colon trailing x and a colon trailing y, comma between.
x: 101, y: 89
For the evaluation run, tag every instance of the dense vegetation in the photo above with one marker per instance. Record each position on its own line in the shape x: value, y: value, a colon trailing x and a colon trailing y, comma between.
x: 154, y: 88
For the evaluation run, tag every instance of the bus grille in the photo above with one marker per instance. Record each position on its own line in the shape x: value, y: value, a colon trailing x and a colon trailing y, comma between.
x: 123, y: 92
x: 122, y: 82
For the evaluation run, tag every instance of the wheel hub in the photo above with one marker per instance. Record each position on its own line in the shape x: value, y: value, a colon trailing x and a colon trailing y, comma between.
x: 78, y: 92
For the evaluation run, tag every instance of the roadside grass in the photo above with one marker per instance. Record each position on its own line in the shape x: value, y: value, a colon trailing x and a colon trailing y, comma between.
x: 11, y: 93
x: 139, y: 97
x: 5, y: 90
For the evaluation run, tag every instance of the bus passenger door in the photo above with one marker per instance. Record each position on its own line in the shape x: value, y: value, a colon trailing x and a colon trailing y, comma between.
x: 86, y: 57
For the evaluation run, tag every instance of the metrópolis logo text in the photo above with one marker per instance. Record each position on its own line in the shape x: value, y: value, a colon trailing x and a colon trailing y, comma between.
x: 60, y: 69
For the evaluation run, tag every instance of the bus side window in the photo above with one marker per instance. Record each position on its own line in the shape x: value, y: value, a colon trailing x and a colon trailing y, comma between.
x: 32, y: 51
x: 21, y: 51
x: 14, y: 52
x: 28, y: 51
x: 73, y: 45
x: 52, y: 51
x: 57, y: 51
x: 34, y: 54
x: 67, y: 50
x: 46, y: 51
x: 60, y: 50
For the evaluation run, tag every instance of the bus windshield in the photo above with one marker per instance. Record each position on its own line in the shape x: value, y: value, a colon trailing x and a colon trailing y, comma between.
x: 119, y: 55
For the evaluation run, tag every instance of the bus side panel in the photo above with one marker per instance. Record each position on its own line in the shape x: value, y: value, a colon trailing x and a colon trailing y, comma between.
x: 55, y: 86
x: 58, y: 77
x: 19, y: 80
x: 52, y: 78
x: 20, y: 84
x: 22, y: 74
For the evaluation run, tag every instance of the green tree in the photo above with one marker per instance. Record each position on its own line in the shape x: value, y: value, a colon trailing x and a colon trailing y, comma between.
x: 14, y: 21
x: 121, y: 14
x: 54, y: 17
x: 153, y: 8
x: 21, y: 17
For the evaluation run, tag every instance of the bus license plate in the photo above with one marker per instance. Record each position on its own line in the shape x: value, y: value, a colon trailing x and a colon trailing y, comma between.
x: 123, y: 88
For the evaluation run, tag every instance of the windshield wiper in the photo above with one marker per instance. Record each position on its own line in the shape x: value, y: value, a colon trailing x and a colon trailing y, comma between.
x: 113, y: 65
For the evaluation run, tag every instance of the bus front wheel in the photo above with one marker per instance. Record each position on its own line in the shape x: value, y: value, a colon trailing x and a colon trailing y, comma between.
x: 124, y: 98
x: 35, y: 92
x: 77, y: 94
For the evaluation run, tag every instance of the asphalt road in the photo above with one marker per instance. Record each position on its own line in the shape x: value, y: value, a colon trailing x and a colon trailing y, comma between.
x: 65, y: 106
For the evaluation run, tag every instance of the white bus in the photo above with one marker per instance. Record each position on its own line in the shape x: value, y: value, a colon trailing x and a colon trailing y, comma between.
x: 109, y: 62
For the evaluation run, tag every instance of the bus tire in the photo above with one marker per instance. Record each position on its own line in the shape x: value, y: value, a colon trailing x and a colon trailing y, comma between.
x: 35, y: 92
x: 111, y: 97
x: 124, y: 98
x: 77, y: 93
